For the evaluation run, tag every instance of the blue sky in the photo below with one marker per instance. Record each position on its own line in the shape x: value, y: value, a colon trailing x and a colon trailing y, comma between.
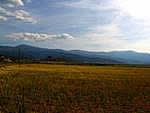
x: 94, y: 25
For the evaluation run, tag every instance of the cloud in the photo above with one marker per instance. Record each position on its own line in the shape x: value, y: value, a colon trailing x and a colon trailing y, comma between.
x: 15, y: 2
x: 3, y: 18
x: 20, y: 15
x: 90, y: 4
x: 23, y: 16
x: 38, y: 36
x: 104, y: 37
x: 10, y: 5
x: 141, y: 45
x: 107, y: 30
x: 2, y: 10
x: 8, y: 11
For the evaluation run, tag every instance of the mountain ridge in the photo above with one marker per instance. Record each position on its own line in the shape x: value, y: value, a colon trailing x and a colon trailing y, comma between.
x: 113, y: 57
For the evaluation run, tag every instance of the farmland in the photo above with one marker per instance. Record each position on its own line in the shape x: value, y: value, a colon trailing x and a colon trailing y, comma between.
x: 49, y: 88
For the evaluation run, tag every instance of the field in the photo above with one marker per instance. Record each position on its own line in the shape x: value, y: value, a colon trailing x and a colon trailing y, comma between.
x: 45, y: 88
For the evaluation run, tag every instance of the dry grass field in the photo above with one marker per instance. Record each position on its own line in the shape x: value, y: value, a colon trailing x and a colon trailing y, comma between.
x: 43, y: 88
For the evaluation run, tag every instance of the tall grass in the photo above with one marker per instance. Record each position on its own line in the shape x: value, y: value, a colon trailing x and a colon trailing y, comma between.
x: 40, y: 88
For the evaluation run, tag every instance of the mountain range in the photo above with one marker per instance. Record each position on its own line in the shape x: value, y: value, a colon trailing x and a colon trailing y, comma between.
x: 114, y: 57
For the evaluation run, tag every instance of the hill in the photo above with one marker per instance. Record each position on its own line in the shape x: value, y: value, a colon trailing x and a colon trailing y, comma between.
x: 30, y: 52
x: 127, y: 57
x: 114, y: 57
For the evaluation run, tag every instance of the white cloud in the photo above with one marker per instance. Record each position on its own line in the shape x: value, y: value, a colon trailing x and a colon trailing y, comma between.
x: 12, y: 3
x: 104, y: 37
x: 90, y: 4
x: 3, y: 18
x: 20, y: 15
x: 142, y: 45
x: 2, y: 10
x: 8, y: 10
x: 108, y: 30
x: 38, y: 36
x: 23, y: 16
x: 16, y: 2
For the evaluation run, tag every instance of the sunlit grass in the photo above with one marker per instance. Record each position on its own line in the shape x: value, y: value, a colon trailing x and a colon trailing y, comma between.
x: 74, y: 89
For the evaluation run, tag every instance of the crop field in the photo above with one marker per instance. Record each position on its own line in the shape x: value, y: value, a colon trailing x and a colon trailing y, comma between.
x: 47, y: 88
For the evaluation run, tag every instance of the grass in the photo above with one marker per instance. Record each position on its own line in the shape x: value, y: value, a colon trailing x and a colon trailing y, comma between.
x: 43, y: 88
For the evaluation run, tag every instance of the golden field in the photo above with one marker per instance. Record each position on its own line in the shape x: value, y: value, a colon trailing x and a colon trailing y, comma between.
x: 47, y: 88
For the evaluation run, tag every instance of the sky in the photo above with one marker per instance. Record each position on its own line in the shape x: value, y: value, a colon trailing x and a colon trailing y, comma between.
x: 93, y: 25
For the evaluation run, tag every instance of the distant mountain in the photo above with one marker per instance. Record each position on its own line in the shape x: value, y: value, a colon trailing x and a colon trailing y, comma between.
x: 114, y: 57
x: 127, y: 57
x: 30, y: 52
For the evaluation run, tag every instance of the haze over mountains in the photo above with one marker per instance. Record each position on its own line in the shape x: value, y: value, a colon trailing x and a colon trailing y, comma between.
x: 114, y: 57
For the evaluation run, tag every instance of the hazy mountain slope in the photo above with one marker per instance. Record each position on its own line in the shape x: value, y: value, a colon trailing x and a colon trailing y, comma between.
x: 30, y: 52
x: 114, y: 57
x: 129, y: 57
